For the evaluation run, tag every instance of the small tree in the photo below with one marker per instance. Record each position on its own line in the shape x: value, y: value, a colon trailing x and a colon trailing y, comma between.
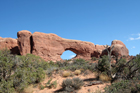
x: 104, y: 64
x: 109, y: 55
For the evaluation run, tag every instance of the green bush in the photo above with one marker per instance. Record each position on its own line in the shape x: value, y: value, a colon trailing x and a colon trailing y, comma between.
x: 121, y: 69
x: 70, y: 85
x: 50, y: 84
x: 76, y: 64
x: 103, y: 64
x: 126, y: 75
x: 17, y: 72
x: 94, y: 58
x: 124, y: 86
x: 6, y: 86
x: 126, y: 70
x: 41, y: 87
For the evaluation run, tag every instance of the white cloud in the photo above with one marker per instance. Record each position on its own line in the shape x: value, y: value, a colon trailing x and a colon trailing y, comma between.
x: 138, y: 38
x: 135, y: 38
x: 72, y: 56
x: 133, y: 47
x: 131, y: 38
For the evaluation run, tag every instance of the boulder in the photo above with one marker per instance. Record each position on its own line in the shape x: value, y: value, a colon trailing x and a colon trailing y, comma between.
x: 119, y: 48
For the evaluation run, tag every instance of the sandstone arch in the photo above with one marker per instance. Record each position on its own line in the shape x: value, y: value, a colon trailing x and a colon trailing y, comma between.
x: 51, y: 46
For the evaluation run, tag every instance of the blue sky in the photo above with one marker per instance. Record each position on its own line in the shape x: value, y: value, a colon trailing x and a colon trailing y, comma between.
x: 97, y: 21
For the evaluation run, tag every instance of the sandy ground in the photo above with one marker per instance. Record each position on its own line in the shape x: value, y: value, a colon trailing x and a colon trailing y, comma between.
x: 59, y: 79
x: 88, y: 89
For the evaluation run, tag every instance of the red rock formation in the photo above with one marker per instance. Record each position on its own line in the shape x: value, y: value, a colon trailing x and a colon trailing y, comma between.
x: 98, y: 51
x: 24, y: 42
x: 46, y: 46
x: 9, y: 43
x: 119, y: 48
x: 51, y: 46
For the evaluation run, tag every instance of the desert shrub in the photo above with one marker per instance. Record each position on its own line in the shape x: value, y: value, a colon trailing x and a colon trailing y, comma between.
x: 66, y: 73
x: 121, y: 69
x: 126, y: 74
x: 103, y: 64
x: 126, y: 70
x: 54, y: 84
x: 104, y: 77
x: 74, y: 67
x: 92, y: 67
x: 76, y: 64
x: 77, y: 83
x: 51, y: 69
x: 79, y: 61
x: 50, y: 84
x: 94, y: 58
x: 41, y: 87
x: 51, y: 63
x: 124, y: 86
x: 69, y: 85
x: 7, y: 64
x: 17, y: 72
x: 6, y: 86
x: 77, y: 72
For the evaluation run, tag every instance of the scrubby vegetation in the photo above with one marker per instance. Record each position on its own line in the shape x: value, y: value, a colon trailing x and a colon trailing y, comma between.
x: 77, y: 72
x: 76, y: 64
x: 66, y: 73
x: 124, y: 73
x: 19, y: 72
x: 124, y: 86
x: 126, y: 76
x: 70, y: 85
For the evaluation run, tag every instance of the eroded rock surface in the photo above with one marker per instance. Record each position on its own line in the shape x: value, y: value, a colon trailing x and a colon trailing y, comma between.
x: 10, y: 44
x: 24, y: 41
x: 51, y: 47
x: 119, y: 48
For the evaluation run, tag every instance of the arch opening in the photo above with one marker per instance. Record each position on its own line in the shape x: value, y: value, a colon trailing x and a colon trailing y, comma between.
x: 68, y: 54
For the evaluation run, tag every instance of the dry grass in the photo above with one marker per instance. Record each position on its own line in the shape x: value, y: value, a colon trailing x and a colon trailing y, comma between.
x: 104, y: 77
x: 66, y: 73
x: 77, y: 72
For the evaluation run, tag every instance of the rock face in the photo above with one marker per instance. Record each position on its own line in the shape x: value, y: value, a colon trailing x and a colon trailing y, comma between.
x: 51, y: 46
x: 9, y: 43
x: 24, y: 42
x: 119, y: 48
x: 98, y: 51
